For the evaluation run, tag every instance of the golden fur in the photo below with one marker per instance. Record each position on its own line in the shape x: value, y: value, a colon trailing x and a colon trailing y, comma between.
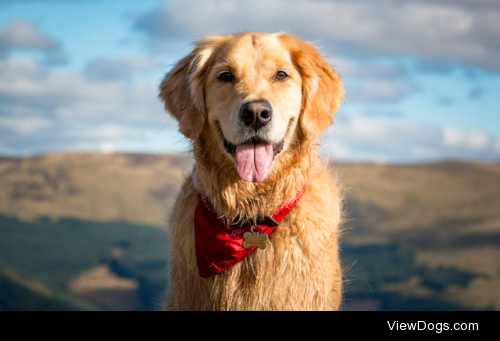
x: 300, y: 269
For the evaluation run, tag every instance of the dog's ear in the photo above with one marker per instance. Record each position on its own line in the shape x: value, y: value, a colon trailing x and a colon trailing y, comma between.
x: 322, y: 89
x: 182, y: 88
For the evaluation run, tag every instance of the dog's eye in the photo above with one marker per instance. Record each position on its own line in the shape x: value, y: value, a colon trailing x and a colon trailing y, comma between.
x: 225, y: 77
x: 281, y: 75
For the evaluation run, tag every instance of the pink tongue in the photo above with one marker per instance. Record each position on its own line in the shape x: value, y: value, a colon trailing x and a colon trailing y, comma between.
x: 254, y: 161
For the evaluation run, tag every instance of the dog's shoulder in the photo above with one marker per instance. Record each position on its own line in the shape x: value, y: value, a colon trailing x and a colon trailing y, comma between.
x: 320, y: 207
x: 323, y: 189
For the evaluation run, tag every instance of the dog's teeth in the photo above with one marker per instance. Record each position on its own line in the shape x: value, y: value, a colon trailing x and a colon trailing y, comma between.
x: 231, y: 148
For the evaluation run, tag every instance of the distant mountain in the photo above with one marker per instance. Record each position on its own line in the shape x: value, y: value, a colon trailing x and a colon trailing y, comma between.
x: 429, y: 233
x: 417, y: 237
x: 136, y: 188
x: 449, y: 199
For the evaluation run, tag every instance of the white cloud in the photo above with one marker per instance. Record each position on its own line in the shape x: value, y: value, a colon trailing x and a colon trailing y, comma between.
x: 107, y: 147
x: 109, y: 131
x: 19, y: 67
x: 452, y: 137
x: 119, y: 68
x: 382, y: 131
x: 72, y: 96
x: 359, y: 138
x: 43, y: 110
x: 24, y: 35
x: 356, y: 69
x: 460, y: 31
x: 374, y: 81
x: 476, y: 140
x: 24, y: 125
x: 379, y: 90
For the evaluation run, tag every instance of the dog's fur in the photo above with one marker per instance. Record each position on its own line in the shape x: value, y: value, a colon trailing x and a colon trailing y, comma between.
x: 300, y: 269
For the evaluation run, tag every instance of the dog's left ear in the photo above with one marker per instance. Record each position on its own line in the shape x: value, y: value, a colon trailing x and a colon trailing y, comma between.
x: 322, y: 89
x: 182, y: 88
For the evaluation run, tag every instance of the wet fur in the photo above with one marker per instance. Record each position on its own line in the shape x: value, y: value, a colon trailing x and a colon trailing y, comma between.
x: 300, y: 268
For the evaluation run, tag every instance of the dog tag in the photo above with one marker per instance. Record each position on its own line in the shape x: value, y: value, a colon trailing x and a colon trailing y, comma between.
x: 257, y: 240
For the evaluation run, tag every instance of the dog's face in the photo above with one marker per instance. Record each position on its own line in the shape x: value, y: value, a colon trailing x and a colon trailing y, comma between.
x: 253, y: 97
x: 252, y: 92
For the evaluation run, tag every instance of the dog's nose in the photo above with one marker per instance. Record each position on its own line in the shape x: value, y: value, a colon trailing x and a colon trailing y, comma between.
x: 257, y: 113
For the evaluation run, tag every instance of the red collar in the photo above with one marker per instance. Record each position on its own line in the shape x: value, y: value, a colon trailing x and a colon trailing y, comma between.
x: 219, y: 247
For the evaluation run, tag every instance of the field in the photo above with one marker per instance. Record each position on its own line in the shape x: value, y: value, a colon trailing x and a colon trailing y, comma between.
x: 88, y: 232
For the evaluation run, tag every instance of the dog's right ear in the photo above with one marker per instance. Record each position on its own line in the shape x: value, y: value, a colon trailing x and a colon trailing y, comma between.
x: 182, y: 88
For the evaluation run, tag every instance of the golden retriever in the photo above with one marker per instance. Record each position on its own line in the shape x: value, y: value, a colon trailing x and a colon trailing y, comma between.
x: 253, y: 106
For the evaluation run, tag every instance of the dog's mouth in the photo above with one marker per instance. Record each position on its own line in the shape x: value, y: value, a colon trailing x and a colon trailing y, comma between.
x: 231, y: 148
x: 253, y: 157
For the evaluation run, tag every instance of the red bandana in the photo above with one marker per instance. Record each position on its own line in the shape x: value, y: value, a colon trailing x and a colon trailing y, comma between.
x: 219, y: 247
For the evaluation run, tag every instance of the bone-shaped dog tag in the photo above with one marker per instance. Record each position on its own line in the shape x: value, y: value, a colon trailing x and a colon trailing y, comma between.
x: 258, y: 240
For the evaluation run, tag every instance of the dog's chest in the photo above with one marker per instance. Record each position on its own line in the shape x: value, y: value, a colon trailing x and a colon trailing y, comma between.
x: 298, y: 270
x: 287, y: 275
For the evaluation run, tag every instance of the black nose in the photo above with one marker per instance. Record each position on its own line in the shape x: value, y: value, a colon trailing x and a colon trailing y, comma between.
x: 256, y: 114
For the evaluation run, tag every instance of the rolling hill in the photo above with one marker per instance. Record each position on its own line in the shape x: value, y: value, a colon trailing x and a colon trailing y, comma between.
x: 134, y: 188
x: 417, y: 237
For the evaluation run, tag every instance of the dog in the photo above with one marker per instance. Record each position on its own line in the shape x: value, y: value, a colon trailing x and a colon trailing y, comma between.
x: 257, y: 222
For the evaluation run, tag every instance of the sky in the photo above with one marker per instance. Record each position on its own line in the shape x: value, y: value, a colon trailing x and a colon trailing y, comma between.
x: 422, y: 78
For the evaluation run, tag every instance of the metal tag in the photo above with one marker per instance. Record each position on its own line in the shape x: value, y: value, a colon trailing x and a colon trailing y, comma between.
x: 257, y: 240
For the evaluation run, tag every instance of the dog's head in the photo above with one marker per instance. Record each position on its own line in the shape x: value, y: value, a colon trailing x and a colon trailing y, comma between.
x: 255, y: 94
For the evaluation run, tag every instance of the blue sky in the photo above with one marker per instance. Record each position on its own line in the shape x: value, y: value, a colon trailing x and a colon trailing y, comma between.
x: 422, y: 77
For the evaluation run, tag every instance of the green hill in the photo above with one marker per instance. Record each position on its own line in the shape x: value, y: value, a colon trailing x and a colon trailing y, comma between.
x: 46, y: 258
x: 21, y: 293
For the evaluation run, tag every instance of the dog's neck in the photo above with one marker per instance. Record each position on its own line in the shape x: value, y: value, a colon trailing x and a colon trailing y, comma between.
x: 216, y: 176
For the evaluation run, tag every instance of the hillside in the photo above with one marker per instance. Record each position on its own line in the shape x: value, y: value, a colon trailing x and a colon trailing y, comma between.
x: 112, y: 265
x: 446, y: 216
x: 418, y: 237
x: 135, y: 188
x: 447, y: 199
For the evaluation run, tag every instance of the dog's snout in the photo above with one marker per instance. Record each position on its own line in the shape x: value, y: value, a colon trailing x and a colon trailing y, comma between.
x: 256, y: 114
